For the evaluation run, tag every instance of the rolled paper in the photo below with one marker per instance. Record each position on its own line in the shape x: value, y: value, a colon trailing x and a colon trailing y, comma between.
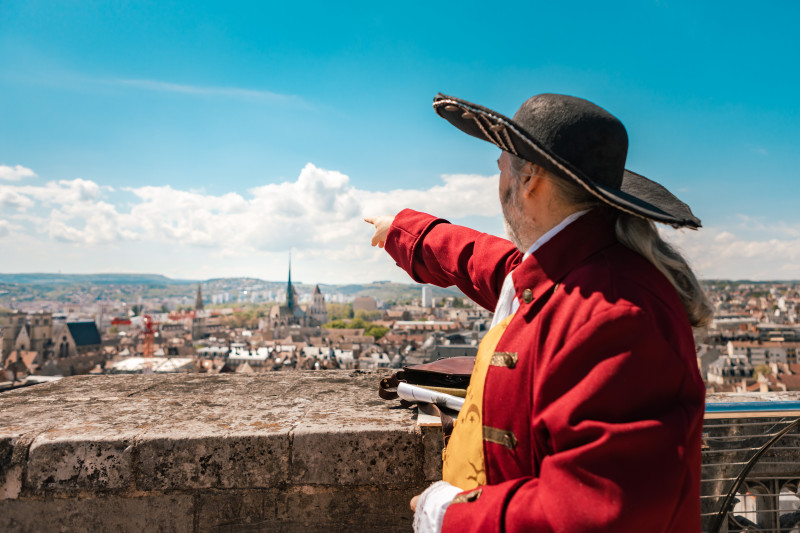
x: 412, y: 393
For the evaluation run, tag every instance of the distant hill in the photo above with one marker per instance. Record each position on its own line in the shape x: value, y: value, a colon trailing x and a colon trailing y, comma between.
x: 49, y: 286
x: 385, y: 290
x: 19, y: 288
x: 95, y: 279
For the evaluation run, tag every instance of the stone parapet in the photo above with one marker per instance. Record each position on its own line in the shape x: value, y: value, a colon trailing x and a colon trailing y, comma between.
x: 282, y: 451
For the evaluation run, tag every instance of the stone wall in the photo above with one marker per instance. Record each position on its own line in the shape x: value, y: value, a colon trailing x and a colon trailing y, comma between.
x: 283, y: 451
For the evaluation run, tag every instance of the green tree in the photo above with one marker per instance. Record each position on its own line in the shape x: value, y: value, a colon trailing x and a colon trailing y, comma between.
x: 358, y: 323
x: 459, y: 302
x: 367, y: 315
x: 764, y: 370
x: 376, y: 331
x: 336, y: 311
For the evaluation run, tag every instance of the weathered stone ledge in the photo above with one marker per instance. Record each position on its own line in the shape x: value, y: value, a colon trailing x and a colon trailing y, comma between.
x: 283, y: 451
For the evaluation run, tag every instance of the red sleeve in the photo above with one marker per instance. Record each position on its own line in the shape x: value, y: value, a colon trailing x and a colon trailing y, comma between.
x: 620, y: 420
x: 434, y: 251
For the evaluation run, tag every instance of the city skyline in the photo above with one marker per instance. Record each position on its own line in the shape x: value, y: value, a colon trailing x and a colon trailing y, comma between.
x: 212, y: 141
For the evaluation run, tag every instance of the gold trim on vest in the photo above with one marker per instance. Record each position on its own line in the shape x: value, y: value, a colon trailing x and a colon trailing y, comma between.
x: 467, y: 497
x: 500, y: 436
x: 507, y: 359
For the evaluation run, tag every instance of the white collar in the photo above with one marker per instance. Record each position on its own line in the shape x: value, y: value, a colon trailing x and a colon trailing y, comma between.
x: 552, y: 232
x: 507, y: 302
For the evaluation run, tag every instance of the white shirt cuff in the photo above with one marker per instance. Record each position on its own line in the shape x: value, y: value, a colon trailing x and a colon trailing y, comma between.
x: 432, y: 505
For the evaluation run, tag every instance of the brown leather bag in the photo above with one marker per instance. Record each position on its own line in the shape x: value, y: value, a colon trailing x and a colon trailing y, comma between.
x: 449, y: 373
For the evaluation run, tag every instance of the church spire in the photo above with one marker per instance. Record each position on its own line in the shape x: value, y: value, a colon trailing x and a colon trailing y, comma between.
x: 289, y: 290
x: 198, y: 302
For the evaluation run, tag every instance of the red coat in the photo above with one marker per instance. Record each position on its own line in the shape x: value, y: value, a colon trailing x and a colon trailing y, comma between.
x: 605, y: 400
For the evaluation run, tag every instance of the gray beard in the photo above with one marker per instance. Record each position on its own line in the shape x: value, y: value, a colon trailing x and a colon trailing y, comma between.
x: 512, y: 234
x: 513, y: 216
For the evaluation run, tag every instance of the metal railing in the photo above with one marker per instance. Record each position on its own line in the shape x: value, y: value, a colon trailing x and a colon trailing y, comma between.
x: 751, y: 467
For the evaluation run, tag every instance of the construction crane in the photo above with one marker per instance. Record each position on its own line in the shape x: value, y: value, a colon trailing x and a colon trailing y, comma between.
x: 149, y: 335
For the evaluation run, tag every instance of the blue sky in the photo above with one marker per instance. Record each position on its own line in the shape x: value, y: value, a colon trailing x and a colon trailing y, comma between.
x: 207, y: 139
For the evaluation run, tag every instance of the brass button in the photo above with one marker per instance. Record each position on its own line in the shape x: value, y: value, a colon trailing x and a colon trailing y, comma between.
x: 506, y: 359
x: 527, y: 296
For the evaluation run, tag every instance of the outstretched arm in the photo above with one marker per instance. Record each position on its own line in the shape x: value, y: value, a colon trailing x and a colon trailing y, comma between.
x: 434, y: 251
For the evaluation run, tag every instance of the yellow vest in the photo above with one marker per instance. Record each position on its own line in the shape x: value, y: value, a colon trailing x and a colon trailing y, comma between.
x: 464, y: 464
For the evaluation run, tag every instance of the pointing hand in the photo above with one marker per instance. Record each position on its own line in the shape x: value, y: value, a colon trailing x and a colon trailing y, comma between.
x: 382, y: 224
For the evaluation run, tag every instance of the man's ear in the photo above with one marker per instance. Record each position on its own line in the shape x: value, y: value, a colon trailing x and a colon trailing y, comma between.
x: 537, y: 174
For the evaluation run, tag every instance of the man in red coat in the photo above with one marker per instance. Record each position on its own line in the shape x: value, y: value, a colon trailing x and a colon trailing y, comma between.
x: 585, y: 408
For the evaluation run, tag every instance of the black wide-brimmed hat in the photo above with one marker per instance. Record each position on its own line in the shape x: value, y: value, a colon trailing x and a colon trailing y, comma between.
x: 574, y: 139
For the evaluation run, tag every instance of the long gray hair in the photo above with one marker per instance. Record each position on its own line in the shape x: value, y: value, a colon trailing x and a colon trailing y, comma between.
x: 641, y: 236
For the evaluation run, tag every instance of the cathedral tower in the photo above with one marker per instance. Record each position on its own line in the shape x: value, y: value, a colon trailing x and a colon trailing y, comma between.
x: 198, y: 301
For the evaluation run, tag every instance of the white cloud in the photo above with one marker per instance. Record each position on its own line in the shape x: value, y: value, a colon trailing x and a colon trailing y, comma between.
x: 461, y: 195
x: 318, y: 216
x: 724, y: 236
x: 15, y: 173
x: 716, y: 253
x: 10, y: 197
x: 77, y: 191
x: 5, y: 228
x: 320, y: 211
x: 89, y: 223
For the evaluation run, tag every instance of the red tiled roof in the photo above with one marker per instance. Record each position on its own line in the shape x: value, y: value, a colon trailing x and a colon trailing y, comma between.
x: 792, y: 382
x: 26, y: 356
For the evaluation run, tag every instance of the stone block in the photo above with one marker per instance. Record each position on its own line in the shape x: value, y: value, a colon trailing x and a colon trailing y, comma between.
x: 339, y: 509
x: 350, y: 457
x: 13, y: 457
x: 59, y: 462
x: 10, y: 478
x: 433, y: 445
x: 239, y: 511
x: 306, y: 508
x: 195, y: 461
x: 163, y: 513
x: 350, y: 437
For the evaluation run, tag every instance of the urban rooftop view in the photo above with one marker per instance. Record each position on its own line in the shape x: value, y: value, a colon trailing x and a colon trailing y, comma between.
x: 248, y: 325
